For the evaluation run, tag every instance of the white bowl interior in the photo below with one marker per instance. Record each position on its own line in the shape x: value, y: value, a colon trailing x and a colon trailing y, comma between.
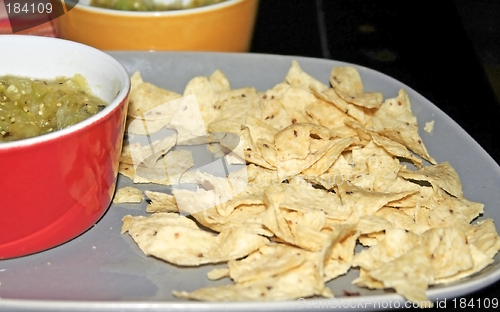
x: 49, y: 58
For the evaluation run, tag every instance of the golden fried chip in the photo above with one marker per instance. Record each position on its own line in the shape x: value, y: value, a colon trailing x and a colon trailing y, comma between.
x: 429, y: 126
x: 128, y: 194
x: 276, y: 92
x: 127, y: 170
x: 252, y: 194
x: 219, y: 81
x: 182, y: 243
x: 449, y: 211
x: 167, y: 169
x: 248, y: 216
x: 410, y: 275
x: 281, y: 223
x: 143, y: 227
x: 366, y: 202
x: 398, y: 219
x: 161, y: 202
x: 345, y: 241
x: 484, y: 236
x: 238, y: 104
x: 217, y: 274
x: 449, y: 250
x: 395, y: 243
x: 207, y: 96
x: 296, y: 283
x: 267, y: 262
x: 212, y: 191
x: 295, y: 141
x: 395, y: 120
x: 274, y: 219
x: 361, y: 114
x: 395, y: 148
x: 371, y: 239
x: 295, y: 98
x: 346, y: 78
x: 144, y: 96
x: 378, y: 168
x: 330, y: 156
x: 142, y: 126
x: 189, y: 121
x: 251, y: 150
x: 480, y: 260
x: 365, y: 280
x: 338, y: 252
x: 259, y: 130
x: 304, y: 197
x: 148, y: 155
x: 364, y: 99
x: 442, y: 175
x: 373, y: 224
x: 299, y: 146
x: 330, y: 116
x: 298, y: 78
x: 347, y: 83
x: 267, y: 150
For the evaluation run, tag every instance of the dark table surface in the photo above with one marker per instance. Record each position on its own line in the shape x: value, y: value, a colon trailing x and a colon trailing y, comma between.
x: 426, y: 49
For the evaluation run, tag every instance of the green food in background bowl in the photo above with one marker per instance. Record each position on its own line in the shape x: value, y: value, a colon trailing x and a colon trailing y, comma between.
x: 150, y: 5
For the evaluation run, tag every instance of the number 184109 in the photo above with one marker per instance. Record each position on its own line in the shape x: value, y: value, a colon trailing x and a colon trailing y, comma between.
x: 18, y: 8
x: 485, y: 303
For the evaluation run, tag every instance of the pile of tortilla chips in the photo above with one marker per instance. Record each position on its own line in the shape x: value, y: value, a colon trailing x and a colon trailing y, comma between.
x: 328, y: 167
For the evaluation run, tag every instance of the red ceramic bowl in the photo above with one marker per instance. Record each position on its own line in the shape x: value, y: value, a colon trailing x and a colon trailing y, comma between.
x: 56, y: 186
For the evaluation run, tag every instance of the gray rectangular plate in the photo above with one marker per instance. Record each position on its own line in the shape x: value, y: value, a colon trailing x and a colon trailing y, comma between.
x: 102, y: 270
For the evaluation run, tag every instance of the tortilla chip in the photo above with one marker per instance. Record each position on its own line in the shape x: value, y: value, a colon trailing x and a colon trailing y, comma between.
x: 359, y: 113
x: 145, y: 96
x: 449, y: 211
x: 161, y: 202
x: 128, y: 194
x: 395, y: 243
x: 410, y: 275
x: 484, y: 236
x: 267, y: 262
x: 182, y: 242
x: 429, y: 126
x: 366, y: 202
x: 395, y: 120
x: 330, y: 156
x: 126, y: 170
x: 442, y: 175
x: 364, y: 99
x: 298, y: 78
x: 449, y: 250
x: 167, y: 169
x: 296, y: 283
x: 330, y: 116
x: 480, y: 259
x: 217, y: 274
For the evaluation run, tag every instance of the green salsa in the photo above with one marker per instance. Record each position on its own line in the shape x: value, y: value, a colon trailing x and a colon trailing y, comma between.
x: 149, y: 5
x: 32, y: 107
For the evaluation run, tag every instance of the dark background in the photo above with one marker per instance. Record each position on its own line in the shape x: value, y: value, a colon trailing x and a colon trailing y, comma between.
x: 448, y: 51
